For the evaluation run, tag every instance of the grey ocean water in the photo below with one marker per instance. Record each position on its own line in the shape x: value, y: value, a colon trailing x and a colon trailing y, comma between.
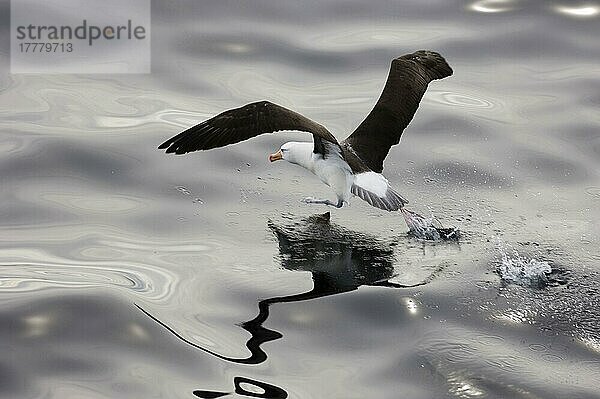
x: 107, y: 243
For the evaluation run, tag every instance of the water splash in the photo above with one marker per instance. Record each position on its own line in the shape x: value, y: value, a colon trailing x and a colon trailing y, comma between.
x: 523, y: 271
x: 183, y: 190
x: 428, y: 228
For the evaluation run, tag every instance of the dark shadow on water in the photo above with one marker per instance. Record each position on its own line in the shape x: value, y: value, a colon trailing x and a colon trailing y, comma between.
x: 340, y: 261
x: 268, y: 390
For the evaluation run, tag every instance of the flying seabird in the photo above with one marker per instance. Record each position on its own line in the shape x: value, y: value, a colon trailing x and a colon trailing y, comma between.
x: 351, y: 167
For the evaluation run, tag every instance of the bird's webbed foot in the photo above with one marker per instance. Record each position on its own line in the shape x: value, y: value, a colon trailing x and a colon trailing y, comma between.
x: 311, y: 200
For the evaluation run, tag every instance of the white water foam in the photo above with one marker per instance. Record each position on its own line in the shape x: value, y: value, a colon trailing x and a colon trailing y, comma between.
x: 523, y: 271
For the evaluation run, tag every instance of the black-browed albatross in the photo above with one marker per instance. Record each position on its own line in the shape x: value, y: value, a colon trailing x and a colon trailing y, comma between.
x: 352, y: 167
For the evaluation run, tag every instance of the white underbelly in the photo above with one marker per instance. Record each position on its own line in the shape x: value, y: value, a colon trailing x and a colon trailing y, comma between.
x: 336, y: 175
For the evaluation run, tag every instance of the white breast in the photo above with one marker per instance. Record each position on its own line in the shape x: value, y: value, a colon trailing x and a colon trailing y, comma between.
x: 335, y: 172
x: 332, y: 170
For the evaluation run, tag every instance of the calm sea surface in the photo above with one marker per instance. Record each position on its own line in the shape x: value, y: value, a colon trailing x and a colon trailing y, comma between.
x: 129, y: 273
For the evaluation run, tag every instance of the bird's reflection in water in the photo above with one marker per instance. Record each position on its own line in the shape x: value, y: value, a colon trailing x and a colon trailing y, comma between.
x: 268, y: 391
x: 340, y: 260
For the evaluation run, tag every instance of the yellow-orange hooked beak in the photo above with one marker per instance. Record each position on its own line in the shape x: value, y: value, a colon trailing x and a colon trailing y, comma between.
x: 276, y: 157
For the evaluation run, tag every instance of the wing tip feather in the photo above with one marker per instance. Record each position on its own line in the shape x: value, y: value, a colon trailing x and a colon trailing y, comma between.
x: 434, y: 63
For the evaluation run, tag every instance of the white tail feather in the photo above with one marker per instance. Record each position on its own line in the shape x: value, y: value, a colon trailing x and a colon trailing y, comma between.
x: 374, y: 188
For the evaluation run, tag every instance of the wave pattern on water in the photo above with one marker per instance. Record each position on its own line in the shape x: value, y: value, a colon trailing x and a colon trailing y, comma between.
x: 93, y: 219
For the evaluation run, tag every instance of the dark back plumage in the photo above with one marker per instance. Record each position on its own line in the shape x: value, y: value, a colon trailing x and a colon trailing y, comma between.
x: 407, y: 81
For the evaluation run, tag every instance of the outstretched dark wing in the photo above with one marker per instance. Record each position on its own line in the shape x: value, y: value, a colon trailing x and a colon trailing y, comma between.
x: 243, y: 123
x: 407, y: 81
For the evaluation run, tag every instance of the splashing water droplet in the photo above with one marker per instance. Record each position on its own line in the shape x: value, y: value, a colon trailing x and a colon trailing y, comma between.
x: 428, y: 228
x: 183, y: 190
x: 523, y: 271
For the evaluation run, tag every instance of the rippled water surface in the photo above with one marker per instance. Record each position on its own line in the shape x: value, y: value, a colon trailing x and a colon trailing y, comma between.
x: 129, y: 273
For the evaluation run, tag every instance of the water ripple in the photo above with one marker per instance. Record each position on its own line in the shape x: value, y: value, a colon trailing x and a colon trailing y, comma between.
x: 87, y: 203
x: 23, y: 275
x: 462, y: 100
x: 593, y: 192
x: 99, y: 204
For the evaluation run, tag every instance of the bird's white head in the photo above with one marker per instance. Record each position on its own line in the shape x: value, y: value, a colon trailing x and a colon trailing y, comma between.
x: 294, y: 152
